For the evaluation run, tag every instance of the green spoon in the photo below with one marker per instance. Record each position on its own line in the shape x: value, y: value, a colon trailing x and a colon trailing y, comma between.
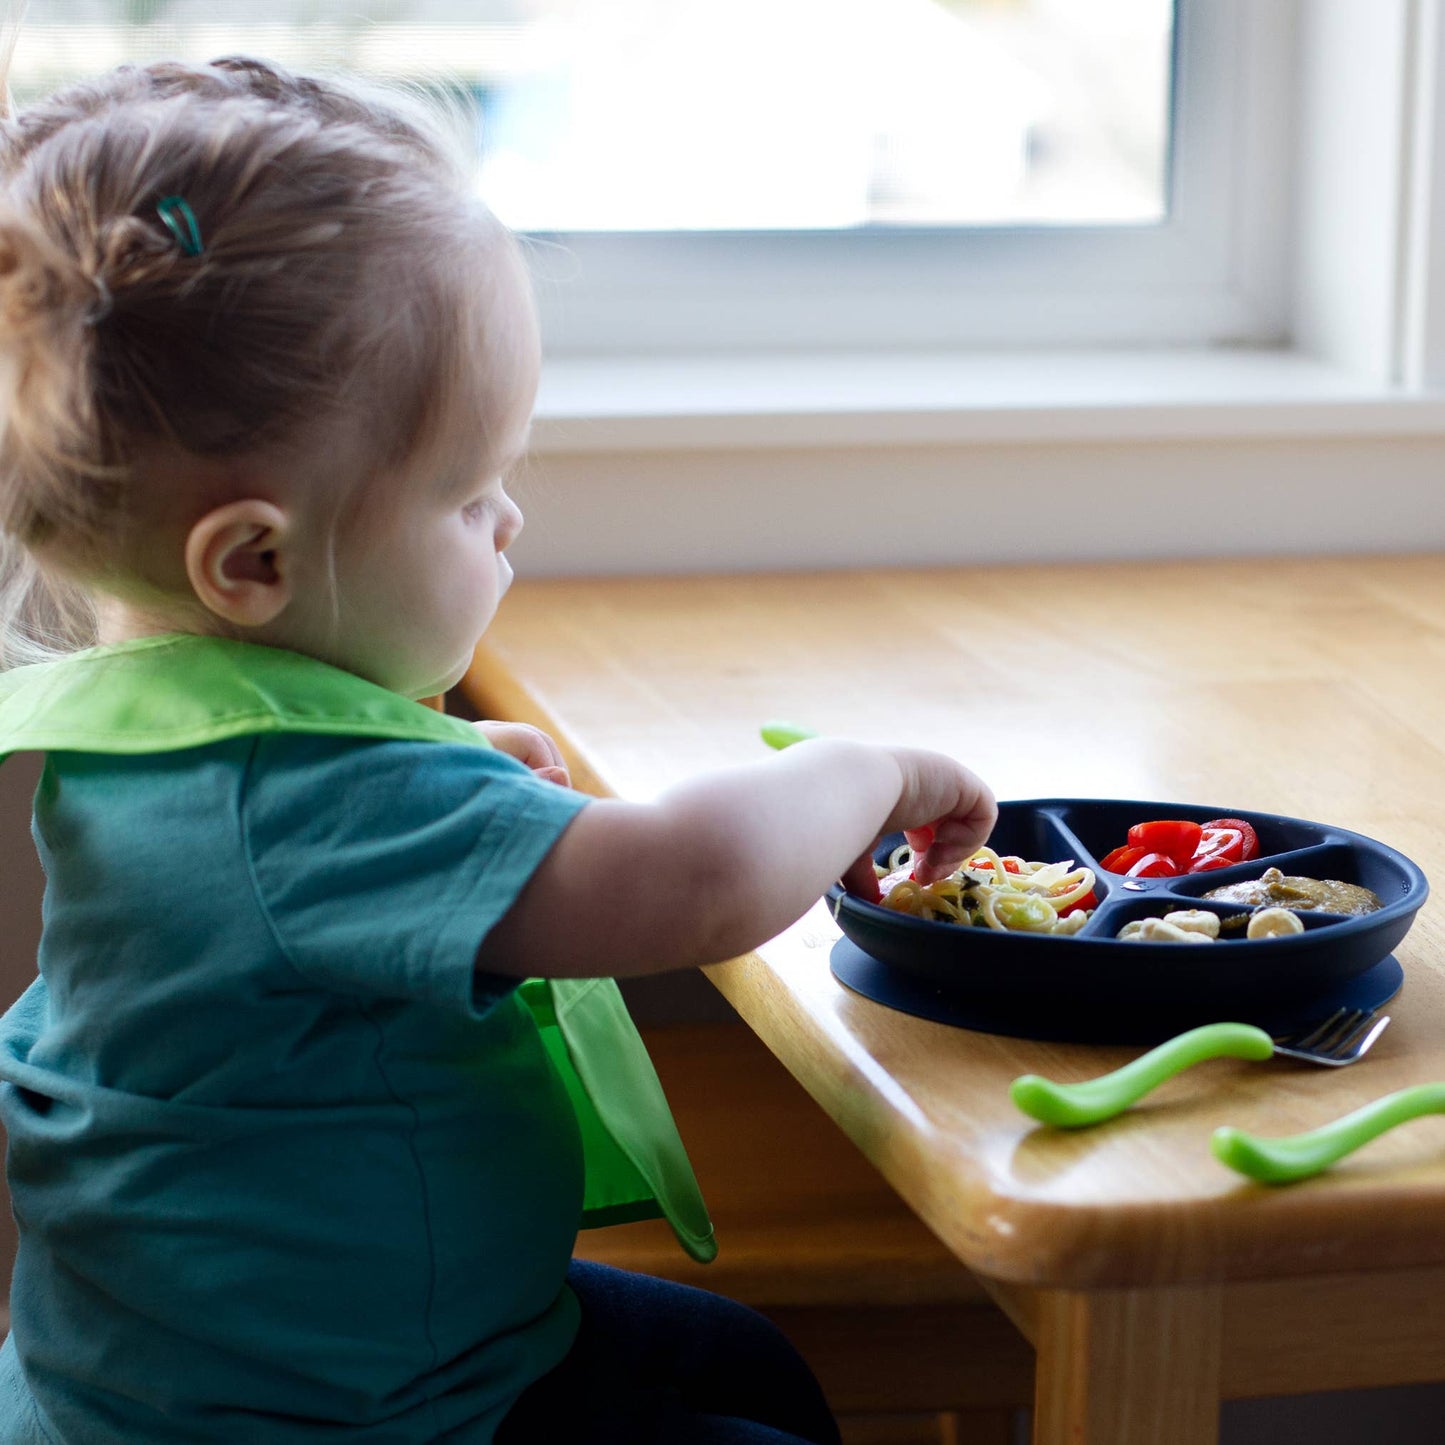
x: 782, y: 735
x: 1298, y: 1156
x: 1072, y: 1106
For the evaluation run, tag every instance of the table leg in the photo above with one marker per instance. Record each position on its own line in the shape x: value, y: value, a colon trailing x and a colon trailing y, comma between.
x: 1127, y: 1367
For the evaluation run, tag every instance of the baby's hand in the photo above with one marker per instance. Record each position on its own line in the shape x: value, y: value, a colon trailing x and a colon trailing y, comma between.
x: 946, y: 812
x: 528, y: 745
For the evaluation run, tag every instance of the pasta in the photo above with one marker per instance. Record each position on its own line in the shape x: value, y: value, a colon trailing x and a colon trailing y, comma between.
x: 1007, y: 893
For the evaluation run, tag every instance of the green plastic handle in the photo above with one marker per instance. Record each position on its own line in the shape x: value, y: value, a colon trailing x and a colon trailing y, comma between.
x: 1072, y: 1106
x: 1299, y: 1156
x: 782, y: 735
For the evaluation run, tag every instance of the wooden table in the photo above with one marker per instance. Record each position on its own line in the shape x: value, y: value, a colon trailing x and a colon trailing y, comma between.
x: 1151, y: 1281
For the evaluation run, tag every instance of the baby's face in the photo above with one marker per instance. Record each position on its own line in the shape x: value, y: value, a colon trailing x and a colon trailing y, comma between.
x: 421, y: 585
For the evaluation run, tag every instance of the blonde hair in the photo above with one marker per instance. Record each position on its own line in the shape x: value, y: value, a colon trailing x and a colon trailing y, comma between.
x: 349, y: 285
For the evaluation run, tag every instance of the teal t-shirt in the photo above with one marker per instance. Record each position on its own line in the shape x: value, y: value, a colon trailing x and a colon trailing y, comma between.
x: 285, y: 1168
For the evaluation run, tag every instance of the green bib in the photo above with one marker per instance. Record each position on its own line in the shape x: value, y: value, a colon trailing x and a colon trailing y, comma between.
x: 160, y: 694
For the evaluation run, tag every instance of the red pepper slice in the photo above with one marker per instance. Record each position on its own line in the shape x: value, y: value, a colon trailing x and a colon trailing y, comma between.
x: 1175, y: 838
x: 1218, y: 847
x: 1249, y: 838
x: 1153, y: 865
x: 1087, y: 901
x: 1119, y: 860
x: 1009, y: 866
x: 1224, y: 841
x: 1209, y: 864
x: 919, y: 841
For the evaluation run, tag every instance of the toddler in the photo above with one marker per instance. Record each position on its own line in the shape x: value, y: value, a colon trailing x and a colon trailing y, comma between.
x: 324, y: 1065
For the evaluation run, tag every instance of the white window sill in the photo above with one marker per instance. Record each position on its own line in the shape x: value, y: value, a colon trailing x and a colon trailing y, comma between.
x: 836, y: 460
x: 832, y: 399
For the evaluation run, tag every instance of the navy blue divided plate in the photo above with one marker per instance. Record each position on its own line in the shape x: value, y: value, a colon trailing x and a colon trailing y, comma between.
x: 1092, y: 986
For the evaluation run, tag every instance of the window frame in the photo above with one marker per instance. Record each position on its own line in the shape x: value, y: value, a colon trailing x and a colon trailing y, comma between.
x: 1211, y: 272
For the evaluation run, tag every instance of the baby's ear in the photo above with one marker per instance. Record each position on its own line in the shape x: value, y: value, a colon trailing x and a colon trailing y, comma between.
x: 238, y: 562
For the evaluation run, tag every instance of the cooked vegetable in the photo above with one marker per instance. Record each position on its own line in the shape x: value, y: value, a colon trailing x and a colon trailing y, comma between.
x: 1321, y: 895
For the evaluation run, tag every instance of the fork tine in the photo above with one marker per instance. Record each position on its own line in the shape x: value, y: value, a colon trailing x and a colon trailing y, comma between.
x: 1339, y: 1037
x: 1357, y: 1050
x: 1348, y: 1050
x: 1310, y: 1039
x: 1343, y: 1038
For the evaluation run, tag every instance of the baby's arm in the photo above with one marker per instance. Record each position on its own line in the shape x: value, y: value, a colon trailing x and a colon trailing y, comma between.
x: 722, y: 863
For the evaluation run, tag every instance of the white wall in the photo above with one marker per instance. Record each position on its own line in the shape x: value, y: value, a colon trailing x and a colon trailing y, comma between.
x: 726, y: 510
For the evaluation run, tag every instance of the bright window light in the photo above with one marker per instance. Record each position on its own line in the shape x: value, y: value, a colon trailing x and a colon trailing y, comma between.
x: 824, y: 114
x: 727, y: 115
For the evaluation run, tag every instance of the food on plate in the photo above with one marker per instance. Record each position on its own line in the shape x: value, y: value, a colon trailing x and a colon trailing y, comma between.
x: 1187, y: 925
x: 1222, y: 842
x: 1168, y: 847
x: 1321, y: 895
x: 1184, y: 925
x: 1199, y: 925
x: 1273, y: 923
x: 993, y: 891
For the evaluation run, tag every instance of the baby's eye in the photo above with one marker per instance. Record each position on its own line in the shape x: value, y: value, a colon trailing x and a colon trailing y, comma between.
x: 473, y: 510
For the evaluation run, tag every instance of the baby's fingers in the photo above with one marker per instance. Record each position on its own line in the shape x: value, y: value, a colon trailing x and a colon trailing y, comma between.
x: 528, y: 745
x: 955, y: 839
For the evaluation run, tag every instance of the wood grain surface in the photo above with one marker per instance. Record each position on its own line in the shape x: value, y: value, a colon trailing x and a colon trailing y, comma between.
x: 1314, y: 688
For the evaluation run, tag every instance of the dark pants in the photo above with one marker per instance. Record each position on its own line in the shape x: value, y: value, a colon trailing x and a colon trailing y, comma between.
x: 657, y: 1363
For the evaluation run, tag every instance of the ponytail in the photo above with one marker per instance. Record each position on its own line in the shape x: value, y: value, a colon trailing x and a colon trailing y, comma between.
x: 46, y: 475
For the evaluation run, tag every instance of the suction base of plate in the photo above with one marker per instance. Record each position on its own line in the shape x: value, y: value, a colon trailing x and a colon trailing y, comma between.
x: 1028, y: 1018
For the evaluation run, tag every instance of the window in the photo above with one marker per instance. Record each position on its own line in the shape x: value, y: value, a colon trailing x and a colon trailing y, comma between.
x: 773, y: 115
x: 1247, y: 350
x: 706, y: 175
x: 1186, y: 248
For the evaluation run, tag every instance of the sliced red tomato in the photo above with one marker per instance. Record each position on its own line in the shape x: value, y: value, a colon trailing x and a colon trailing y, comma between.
x: 921, y: 838
x: 1207, y: 865
x: 1224, y: 841
x: 1140, y: 863
x: 1087, y: 901
x: 1249, y: 838
x: 1175, y: 838
x: 1009, y: 866
x: 1119, y: 860
x: 919, y: 841
x: 1218, y: 848
x: 1153, y: 865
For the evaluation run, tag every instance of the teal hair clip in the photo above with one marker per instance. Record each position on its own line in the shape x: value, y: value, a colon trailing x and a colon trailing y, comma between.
x: 180, y: 220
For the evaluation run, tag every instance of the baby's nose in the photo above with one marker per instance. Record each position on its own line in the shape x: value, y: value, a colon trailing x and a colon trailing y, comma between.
x: 510, y: 526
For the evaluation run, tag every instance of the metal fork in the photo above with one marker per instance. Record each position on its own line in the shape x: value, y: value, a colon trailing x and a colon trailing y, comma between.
x: 1343, y: 1038
x: 1340, y: 1039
